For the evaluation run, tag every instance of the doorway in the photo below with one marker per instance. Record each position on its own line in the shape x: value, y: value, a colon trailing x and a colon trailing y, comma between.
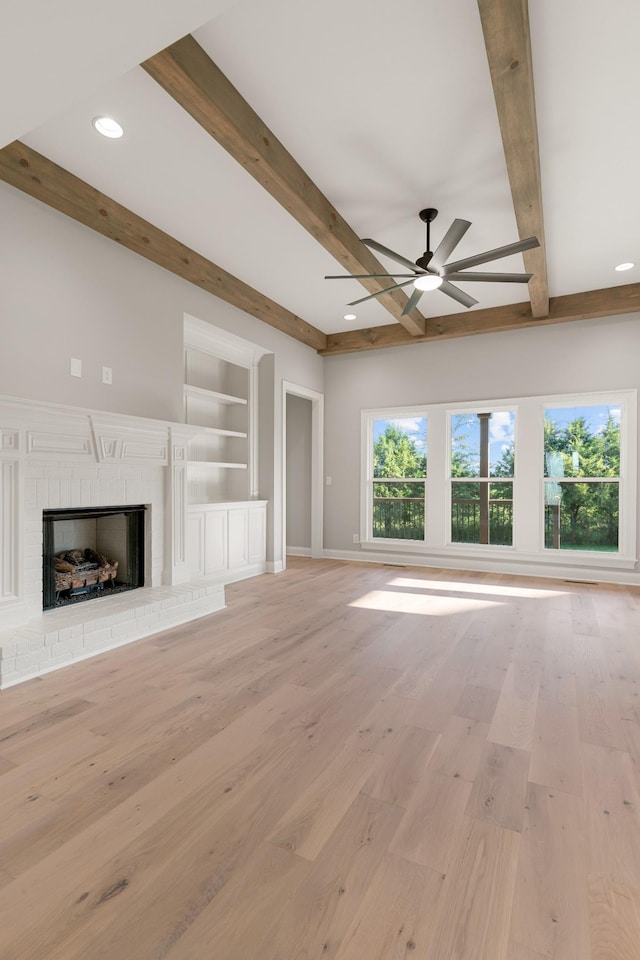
x: 302, y: 470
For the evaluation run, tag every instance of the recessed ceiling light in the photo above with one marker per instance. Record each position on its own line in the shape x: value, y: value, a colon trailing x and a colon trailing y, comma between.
x: 428, y: 282
x: 108, y: 127
x: 350, y: 316
x: 625, y: 266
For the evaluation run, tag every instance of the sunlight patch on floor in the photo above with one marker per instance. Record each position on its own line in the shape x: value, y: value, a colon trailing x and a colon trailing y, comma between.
x: 395, y: 601
x: 483, y: 588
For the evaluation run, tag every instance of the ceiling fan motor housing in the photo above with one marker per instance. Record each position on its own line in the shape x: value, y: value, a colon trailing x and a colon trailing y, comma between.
x: 423, y: 261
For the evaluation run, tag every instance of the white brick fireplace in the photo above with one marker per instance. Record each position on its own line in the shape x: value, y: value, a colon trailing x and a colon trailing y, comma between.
x: 61, y: 457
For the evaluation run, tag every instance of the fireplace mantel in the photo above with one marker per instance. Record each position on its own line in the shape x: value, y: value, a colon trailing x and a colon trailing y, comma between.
x: 54, y: 456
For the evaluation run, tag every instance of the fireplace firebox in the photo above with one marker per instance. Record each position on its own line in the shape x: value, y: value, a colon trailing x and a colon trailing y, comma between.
x: 90, y: 552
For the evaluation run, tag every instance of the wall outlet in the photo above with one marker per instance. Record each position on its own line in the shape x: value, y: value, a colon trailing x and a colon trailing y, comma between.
x: 107, y: 375
x: 356, y: 538
x: 75, y: 367
x: 329, y: 481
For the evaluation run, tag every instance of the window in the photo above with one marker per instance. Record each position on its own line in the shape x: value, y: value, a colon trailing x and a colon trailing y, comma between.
x: 541, y: 476
x: 582, y: 477
x: 399, y: 478
x: 482, y: 450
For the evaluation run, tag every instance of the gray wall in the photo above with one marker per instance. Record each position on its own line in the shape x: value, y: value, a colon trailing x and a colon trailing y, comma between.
x: 298, y: 465
x: 67, y: 292
x: 601, y: 354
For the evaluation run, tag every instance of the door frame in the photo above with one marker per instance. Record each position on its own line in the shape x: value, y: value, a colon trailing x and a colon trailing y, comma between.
x: 317, y: 466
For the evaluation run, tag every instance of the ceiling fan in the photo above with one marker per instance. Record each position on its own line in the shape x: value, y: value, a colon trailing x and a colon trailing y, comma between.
x: 431, y: 272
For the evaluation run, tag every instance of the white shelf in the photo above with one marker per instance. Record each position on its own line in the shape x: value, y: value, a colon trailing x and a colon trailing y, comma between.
x: 197, y: 431
x: 221, y: 411
x: 212, y: 395
x: 218, y: 464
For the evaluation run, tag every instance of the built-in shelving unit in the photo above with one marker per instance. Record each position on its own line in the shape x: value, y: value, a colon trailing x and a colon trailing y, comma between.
x: 220, y: 406
x: 226, y: 522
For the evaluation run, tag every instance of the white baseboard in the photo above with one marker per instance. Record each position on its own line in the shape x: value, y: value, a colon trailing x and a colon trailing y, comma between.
x: 275, y: 567
x: 574, y: 573
x: 298, y: 551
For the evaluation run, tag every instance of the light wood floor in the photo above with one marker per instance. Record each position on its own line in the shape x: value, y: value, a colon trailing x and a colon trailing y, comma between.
x: 354, y: 762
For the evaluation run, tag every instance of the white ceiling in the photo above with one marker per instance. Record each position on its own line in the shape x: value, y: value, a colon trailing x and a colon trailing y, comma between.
x: 388, y: 108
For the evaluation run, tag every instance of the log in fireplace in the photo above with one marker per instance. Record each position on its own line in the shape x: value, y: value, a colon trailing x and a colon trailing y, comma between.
x: 90, y: 552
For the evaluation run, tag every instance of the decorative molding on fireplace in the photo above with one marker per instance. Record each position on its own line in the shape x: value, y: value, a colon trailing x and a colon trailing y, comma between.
x: 59, y: 445
x: 130, y: 443
x: 177, y: 507
x: 9, y: 544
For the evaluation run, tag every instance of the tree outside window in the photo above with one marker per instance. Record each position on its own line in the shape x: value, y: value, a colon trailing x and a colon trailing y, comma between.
x: 399, y: 472
x: 582, y: 477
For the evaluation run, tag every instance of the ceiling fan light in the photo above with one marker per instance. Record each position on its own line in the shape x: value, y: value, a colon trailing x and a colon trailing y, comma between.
x: 429, y: 281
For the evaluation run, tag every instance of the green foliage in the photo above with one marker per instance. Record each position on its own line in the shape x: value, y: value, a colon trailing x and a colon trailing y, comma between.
x: 395, y: 456
x: 588, y: 512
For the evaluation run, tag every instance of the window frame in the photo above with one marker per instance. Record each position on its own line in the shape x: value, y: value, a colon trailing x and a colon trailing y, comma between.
x: 528, y: 481
x: 493, y: 407
x: 366, y: 500
x: 557, y: 405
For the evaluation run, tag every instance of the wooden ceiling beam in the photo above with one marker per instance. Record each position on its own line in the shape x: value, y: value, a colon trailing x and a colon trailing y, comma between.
x: 38, y: 176
x: 189, y: 75
x: 609, y: 301
x: 505, y: 24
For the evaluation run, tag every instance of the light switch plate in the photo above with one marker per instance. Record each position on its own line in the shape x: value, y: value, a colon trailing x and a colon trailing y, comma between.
x: 75, y: 367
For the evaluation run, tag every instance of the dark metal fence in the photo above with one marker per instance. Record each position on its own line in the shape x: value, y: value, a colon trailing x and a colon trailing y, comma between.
x: 403, y: 519
x: 465, y: 521
x: 398, y: 519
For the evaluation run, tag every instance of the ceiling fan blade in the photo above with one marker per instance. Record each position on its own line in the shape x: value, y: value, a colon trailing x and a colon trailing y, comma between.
x: 386, y: 290
x: 392, y: 255
x: 412, y: 302
x: 496, y: 254
x: 456, y: 294
x: 490, y: 277
x: 450, y: 241
x: 366, y: 276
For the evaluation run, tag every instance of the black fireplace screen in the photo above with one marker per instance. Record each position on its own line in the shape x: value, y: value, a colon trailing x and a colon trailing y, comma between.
x: 90, y: 552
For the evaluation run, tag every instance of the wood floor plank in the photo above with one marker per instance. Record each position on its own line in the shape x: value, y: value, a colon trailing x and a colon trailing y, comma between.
x: 306, y: 827
x: 398, y: 774
x: 385, y: 926
x: 518, y: 951
x: 515, y: 714
x: 558, y: 679
x: 246, y: 909
x: 431, y: 824
x: 477, y: 703
x: 555, y: 757
x: 615, y: 920
x: 382, y: 722
x: 316, y: 920
x: 500, y: 787
x: 460, y: 748
x: 386, y: 722
x: 599, y: 714
x: 550, y: 910
x: 612, y: 804
x: 475, y: 901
